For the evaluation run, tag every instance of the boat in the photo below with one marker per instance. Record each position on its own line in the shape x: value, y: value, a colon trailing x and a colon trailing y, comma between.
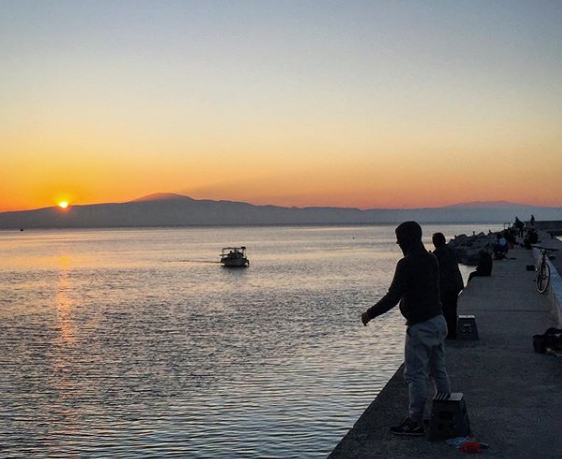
x: 234, y: 257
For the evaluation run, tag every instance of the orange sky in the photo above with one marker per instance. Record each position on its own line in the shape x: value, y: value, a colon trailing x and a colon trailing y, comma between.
x: 291, y: 104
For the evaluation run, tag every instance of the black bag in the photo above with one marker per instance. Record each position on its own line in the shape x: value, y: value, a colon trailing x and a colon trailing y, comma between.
x: 551, y: 339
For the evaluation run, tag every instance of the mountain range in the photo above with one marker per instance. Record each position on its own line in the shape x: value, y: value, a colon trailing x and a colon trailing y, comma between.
x: 161, y: 209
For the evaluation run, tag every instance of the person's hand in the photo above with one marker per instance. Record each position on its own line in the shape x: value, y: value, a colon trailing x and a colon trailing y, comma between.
x: 365, y: 318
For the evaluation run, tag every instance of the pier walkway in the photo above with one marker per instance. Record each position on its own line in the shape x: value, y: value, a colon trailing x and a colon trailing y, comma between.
x: 513, y: 395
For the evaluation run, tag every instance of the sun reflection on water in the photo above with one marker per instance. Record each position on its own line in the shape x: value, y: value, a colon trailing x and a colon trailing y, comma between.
x: 64, y: 302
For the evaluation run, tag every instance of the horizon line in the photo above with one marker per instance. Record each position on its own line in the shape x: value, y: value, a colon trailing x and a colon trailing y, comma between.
x: 153, y: 197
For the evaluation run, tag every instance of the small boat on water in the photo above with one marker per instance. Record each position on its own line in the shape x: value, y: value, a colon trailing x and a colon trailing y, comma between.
x: 234, y: 257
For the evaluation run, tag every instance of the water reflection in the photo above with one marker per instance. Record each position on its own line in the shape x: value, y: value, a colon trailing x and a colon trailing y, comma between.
x: 63, y: 302
x: 64, y: 410
x: 111, y: 347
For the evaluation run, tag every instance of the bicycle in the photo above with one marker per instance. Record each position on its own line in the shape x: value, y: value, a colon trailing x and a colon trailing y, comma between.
x: 543, y: 270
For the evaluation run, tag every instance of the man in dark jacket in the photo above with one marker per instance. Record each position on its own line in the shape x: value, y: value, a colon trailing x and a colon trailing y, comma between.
x: 450, y: 281
x: 416, y: 287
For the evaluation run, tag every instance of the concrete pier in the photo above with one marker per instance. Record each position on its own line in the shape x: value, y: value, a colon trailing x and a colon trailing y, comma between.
x: 513, y: 395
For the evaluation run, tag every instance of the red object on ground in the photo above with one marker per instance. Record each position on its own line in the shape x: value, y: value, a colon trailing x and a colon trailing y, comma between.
x: 470, y: 447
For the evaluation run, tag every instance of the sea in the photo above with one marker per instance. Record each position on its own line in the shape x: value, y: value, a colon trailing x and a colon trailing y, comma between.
x: 134, y: 343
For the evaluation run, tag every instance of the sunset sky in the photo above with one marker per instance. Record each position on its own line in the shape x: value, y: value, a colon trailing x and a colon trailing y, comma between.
x: 368, y: 104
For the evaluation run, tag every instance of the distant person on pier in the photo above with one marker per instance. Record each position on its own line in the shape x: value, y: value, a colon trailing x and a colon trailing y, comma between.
x: 532, y: 237
x: 484, y: 267
x: 532, y: 221
x: 416, y: 286
x: 501, y: 247
x: 519, y: 226
x: 450, y: 282
x: 510, y: 235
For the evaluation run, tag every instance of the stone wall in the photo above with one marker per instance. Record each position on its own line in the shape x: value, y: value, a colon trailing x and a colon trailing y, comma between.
x: 554, y: 291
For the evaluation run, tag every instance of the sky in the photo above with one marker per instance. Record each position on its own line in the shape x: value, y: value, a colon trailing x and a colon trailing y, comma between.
x: 368, y: 104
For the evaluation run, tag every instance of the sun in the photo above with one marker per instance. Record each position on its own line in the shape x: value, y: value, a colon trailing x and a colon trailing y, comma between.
x: 63, y: 204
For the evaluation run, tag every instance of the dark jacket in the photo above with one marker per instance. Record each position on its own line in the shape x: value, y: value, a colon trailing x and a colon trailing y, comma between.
x: 450, y: 277
x: 415, y: 286
x: 485, y: 264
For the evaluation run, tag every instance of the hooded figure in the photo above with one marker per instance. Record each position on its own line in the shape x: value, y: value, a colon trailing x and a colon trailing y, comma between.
x: 416, y: 287
x: 416, y: 280
x: 409, y: 236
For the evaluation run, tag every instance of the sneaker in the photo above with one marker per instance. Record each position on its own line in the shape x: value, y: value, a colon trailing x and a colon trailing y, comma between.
x: 408, y: 427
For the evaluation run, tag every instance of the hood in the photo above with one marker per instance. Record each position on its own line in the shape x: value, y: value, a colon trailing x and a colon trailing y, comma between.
x: 409, y: 236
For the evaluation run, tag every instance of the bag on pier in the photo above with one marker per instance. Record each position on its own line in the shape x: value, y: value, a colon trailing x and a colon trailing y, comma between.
x: 551, y: 339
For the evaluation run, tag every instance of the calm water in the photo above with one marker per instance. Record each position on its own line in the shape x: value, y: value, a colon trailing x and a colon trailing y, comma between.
x: 137, y: 343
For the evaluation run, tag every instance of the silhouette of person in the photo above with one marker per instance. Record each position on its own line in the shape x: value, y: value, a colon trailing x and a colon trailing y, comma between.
x: 416, y: 286
x: 450, y: 281
x: 501, y: 247
x: 484, y: 267
x: 531, y: 238
x: 519, y: 226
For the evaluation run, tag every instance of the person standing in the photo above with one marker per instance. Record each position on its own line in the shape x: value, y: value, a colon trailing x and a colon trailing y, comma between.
x: 416, y: 287
x: 450, y: 282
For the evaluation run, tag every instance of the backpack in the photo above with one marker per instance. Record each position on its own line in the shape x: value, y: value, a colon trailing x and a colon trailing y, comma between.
x: 551, y: 339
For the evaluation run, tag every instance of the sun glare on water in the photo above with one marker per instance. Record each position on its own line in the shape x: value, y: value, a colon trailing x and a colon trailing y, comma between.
x: 63, y: 204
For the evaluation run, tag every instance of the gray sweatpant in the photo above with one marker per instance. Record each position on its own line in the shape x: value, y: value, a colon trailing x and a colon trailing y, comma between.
x: 424, y: 357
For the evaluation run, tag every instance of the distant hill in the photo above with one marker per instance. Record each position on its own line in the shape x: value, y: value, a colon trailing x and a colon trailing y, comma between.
x: 177, y: 210
x: 486, y: 205
x: 163, y: 197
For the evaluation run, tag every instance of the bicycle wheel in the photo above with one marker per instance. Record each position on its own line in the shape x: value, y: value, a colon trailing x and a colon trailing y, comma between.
x: 543, y: 277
